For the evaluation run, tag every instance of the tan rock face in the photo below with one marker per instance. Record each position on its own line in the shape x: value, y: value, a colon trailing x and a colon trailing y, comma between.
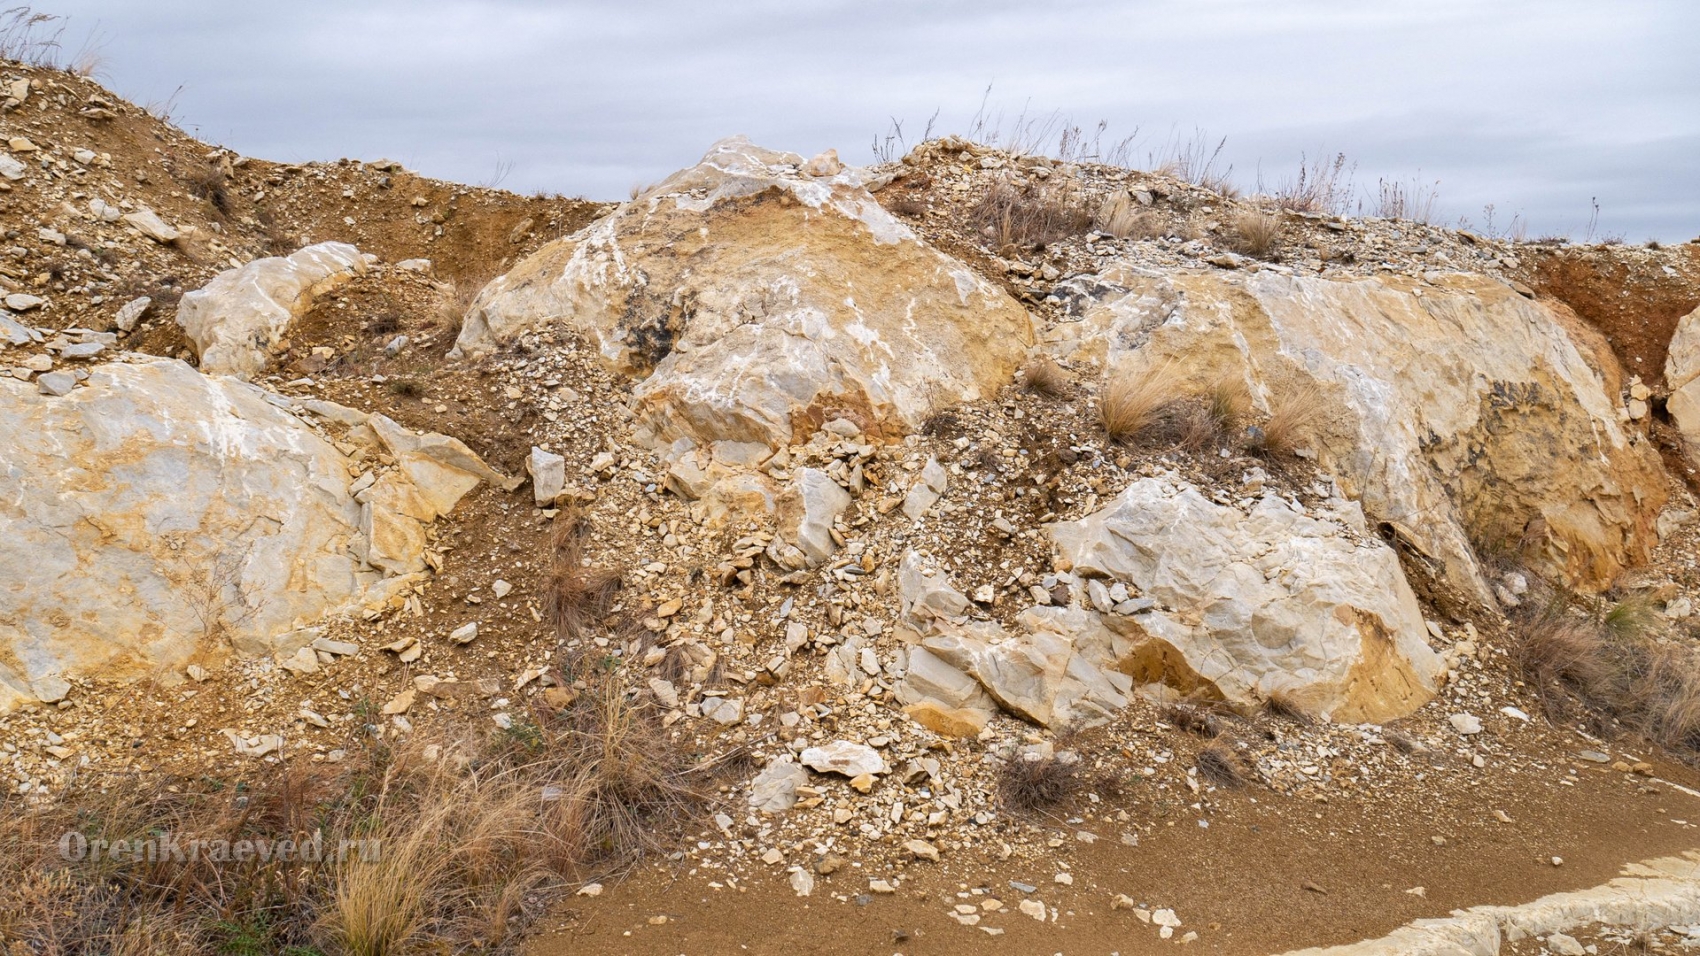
x: 156, y: 516
x: 237, y: 319
x: 1257, y: 602
x: 1458, y: 413
x: 755, y: 302
x: 1682, y: 377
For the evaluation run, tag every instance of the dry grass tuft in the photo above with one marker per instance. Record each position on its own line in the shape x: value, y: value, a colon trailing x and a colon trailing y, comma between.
x: 1043, y: 376
x: 1130, y: 403
x: 404, y: 387
x: 1193, y: 719
x: 1288, y: 705
x: 575, y: 592
x: 1016, y: 219
x: 211, y: 183
x: 1220, y: 764
x: 1256, y: 234
x: 1029, y: 785
x: 1121, y: 217
x: 1293, y: 413
x: 1615, y: 670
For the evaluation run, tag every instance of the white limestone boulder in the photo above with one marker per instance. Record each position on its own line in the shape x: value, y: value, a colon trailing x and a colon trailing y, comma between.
x: 753, y: 302
x: 155, y: 517
x: 237, y: 320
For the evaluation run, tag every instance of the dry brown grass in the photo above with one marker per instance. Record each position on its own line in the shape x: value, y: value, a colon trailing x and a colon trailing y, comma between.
x: 1293, y: 414
x: 1220, y: 764
x: 1043, y: 376
x: 1192, y: 719
x: 1018, y: 219
x: 470, y: 845
x: 576, y: 593
x: 1256, y: 234
x: 1121, y: 217
x: 1131, y: 402
x: 1287, y: 704
x: 1032, y: 785
x: 454, y: 300
x: 211, y: 183
x: 1614, y: 669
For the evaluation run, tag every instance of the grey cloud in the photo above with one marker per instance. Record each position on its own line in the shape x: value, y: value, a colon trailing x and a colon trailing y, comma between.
x: 1533, y: 106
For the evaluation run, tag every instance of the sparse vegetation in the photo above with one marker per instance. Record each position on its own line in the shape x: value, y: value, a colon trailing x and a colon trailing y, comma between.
x: 1614, y: 668
x: 1043, y: 376
x: 1031, y: 783
x: 1256, y: 234
x: 1017, y: 219
x: 1323, y: 185
x: 404, y: 387
x: 460, y: 848
x: 1293, y: 413
x: 1192, y: 719
x: 209, y: 182
x: 575, y: 593
x: 1415, y: 201
x: 1130, y: 403
x: 1220, y: 763
x: 1121, y: 217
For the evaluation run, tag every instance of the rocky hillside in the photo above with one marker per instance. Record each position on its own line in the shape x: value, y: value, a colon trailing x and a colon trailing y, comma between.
x: 941, y: 519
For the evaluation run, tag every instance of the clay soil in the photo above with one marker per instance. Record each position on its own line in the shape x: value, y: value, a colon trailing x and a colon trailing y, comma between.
x: 1270, y: 873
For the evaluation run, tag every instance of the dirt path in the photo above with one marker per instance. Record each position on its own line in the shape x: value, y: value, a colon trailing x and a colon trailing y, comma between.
x: 1251, y: 882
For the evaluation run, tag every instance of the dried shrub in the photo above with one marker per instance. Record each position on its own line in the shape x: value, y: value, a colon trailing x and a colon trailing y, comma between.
x: 1130, y: 402
x: 404, y: 387
x: 1028, y: 784
x: 1043, y: 376
x: 1219, y: 763
x: 908, y: 207
x: 575, y: 593
x: 210, y: 182
x: 1256, y: 234
x: 1290, y: 705
x: 1193, y: 719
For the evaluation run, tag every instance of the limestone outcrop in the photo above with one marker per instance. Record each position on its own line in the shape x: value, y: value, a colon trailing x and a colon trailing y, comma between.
x: 1682, y: 377
x: 238, y: 319
x: 1216, y: 601
x: 755, y: 300
x: 156, y: 516
x: 1460, y: 413
x: 1250, y: 602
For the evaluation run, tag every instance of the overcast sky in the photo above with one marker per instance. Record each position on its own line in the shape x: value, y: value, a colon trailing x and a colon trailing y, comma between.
x: 1535, y: 106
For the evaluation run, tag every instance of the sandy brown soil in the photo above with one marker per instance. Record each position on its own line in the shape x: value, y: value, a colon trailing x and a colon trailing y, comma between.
x: 1270, y: 873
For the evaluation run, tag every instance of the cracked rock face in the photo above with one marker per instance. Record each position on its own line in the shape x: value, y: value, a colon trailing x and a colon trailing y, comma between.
x: 755, y: 302
x: 1682, y: 377
x: 1253, y: 601
x: 155, y: 516
x: 1458, y: 412
x: 1239, y: 603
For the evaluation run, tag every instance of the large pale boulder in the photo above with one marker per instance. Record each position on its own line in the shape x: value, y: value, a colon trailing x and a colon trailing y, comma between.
x: 755, y: 301
x: 1682, y: 377
x: 237, y: 320
x: 1255, y: 601
x: 157, y: 516
x: 1458, y: 412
